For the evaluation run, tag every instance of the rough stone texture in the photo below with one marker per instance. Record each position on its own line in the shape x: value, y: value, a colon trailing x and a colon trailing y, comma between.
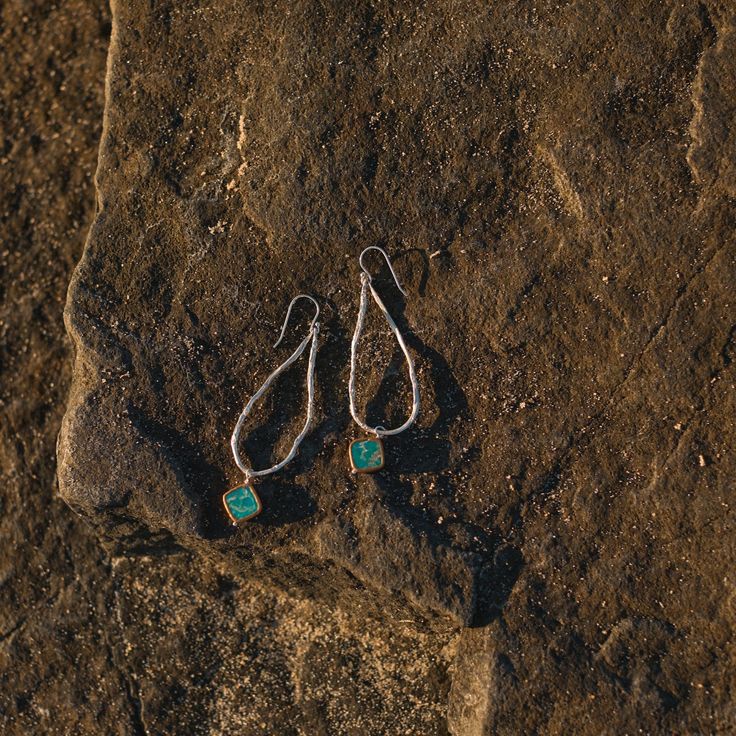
x: 170, y: 337
x: 95, y: 644
x: 220, y: 659
x: 576, y: 329
x: 55, y: 676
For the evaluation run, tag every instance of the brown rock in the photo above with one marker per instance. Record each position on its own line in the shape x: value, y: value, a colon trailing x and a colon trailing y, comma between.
x: 555, y: 184
x: 91, y: 644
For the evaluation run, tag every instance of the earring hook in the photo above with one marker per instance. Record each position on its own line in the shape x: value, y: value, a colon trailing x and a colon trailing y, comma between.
x: 288, y: 314
x: 388, y: 262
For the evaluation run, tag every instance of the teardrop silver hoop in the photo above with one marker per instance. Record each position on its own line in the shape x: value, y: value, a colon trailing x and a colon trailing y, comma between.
x: 242, y: 502
x: 366, y: 455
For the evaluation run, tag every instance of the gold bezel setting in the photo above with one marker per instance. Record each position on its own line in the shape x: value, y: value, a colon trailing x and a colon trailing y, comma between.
x: 250, y: 493
x: 357, y: 467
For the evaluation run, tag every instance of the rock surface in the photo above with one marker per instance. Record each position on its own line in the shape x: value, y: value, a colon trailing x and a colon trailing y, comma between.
x: 92, y: 643
x: 556, y: 185
x: 211, y: 217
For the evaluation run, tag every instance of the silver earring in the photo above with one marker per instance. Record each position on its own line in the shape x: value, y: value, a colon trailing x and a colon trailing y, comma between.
x: 242, y: 502
x: 366, y: 454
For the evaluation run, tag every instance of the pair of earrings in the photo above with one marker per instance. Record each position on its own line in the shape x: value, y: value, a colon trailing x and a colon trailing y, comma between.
x: 366, y: 454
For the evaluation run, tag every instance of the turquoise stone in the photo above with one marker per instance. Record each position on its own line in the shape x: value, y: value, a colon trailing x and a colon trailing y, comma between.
x: 242, y: 503
x: 366, y: 455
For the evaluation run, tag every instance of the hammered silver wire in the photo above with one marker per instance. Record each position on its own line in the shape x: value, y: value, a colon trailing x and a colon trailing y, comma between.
x: 365, y: 279
x: 311, y: 335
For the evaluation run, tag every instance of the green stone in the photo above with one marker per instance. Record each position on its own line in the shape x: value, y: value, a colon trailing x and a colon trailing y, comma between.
x: 366, y: 455
x: 242, y: 503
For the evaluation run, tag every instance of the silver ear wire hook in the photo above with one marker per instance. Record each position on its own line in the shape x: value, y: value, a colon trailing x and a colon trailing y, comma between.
x: 388, y: 262
x: 288, y: 314
x: 367, y: 286
x: 310, y: 337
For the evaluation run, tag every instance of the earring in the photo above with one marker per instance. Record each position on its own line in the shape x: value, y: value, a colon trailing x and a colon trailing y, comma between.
x: 366, y: 454
x: 242, y: 502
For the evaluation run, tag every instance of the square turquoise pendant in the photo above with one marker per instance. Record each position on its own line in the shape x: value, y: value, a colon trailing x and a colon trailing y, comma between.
x: 366, y: 456
x: 242, y: 503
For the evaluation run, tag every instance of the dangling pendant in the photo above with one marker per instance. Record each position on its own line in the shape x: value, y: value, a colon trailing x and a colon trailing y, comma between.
x: 366, y: 455
x: 242, y: 503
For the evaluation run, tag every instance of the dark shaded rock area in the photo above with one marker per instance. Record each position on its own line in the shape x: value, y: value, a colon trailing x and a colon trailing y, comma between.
x: 551, y: 550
